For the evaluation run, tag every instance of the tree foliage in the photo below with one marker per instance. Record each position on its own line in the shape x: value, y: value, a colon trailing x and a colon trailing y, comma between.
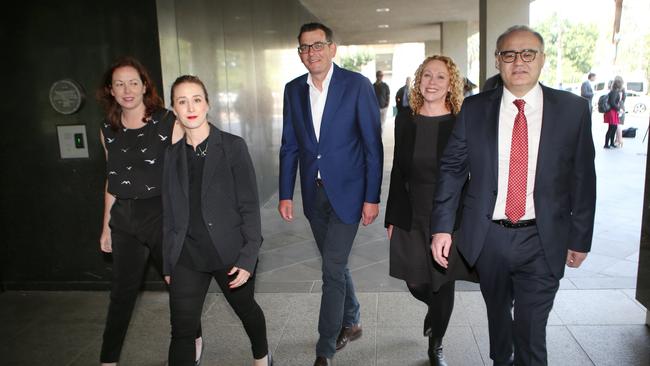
x: 355, y: 61
x: 577, y: 42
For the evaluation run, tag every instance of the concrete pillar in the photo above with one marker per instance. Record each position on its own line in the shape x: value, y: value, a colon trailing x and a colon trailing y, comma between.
x: 432, y: 48
x: 495, y: 16
x: 454, y: 43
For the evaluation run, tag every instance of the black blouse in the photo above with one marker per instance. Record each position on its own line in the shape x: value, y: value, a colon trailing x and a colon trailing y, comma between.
x: 198, y: 253
x: 134, y: 161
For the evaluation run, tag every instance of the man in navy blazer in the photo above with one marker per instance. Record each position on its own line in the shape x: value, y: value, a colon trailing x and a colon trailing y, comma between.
x: 331, y: 128
x: 530, y: 201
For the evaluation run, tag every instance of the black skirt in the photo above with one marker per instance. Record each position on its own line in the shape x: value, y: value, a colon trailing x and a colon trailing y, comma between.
x: 410, y: 251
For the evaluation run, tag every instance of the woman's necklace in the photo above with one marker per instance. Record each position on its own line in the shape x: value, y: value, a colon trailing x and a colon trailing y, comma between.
x: 202, y: 153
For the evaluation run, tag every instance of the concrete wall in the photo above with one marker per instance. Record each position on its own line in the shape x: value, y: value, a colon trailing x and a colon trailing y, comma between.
x: 51, y: 209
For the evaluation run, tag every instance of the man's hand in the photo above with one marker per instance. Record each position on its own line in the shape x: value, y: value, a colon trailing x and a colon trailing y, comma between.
x: 389, y: 230
x: 369, y: 213
x: 574, y: 259
x: 440, y: 245
x: 285, y: 207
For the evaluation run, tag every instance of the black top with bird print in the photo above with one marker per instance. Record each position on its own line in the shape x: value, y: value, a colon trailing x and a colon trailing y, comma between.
x: 134, y: 163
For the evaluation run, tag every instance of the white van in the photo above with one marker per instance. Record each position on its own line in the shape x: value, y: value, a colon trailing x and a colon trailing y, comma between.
x: 636, y: 90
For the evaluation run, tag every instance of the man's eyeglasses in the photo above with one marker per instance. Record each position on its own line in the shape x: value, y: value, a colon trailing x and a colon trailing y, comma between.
x: 316, y: 46
x: 510, y: 56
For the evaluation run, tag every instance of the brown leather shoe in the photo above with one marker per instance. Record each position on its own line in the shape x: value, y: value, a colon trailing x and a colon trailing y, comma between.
x: 321, y: 361
x: 348, y: 334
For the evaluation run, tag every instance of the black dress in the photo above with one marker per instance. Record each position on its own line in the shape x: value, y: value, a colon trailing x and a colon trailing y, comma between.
x: 410, y: 250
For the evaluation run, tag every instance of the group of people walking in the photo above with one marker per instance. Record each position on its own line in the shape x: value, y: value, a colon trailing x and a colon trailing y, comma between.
x: 484, y: 189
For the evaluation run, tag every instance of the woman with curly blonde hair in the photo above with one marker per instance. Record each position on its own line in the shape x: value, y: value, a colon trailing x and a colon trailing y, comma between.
x: 420, y: 138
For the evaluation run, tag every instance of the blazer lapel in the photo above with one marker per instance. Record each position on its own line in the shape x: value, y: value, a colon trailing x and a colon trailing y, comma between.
x: 305, y: 103
x: 492, y: 133
x: 549, y: 120
x: 334, y: 95
x: 181, y: 168
x: 214, y: 155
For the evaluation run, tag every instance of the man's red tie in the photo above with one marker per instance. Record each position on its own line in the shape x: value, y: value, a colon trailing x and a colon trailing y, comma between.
x: 518, y: 171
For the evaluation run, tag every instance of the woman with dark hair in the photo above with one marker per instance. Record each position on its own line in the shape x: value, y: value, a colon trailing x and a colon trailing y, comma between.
x: 135, y: 134
x: 611, y: 117
x: 212, y: 226
x: 420, y: 138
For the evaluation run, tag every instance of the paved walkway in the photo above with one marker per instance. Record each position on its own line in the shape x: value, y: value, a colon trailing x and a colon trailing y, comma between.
x: 595, y: 319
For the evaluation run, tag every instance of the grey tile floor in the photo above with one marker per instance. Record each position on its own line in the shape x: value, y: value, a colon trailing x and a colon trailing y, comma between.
x: 595, y: 319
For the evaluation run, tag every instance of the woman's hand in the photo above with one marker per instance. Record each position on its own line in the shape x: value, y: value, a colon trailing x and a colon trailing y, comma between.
x: 168, y: 279
x: 389, y: 230
x: 241, y: 278
x: 105, y: 243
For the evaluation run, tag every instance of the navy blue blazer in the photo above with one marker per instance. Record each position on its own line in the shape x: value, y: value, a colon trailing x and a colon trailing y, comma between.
x: 229, y: 201
x: 349, y: 153
x: 565, y: 182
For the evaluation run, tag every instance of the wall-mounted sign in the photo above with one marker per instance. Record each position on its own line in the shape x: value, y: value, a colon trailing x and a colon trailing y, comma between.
x: 66, y: 96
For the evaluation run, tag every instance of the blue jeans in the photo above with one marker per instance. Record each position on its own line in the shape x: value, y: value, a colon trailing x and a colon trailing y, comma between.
x: 339, y: 305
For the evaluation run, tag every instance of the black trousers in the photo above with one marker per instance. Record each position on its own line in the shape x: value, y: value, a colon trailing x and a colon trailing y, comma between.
x: 186, y: 297
x: 136, y: 234
x: 440, y: 305
x: 339, y: 305
x: 512, y: 268
x: 610, y: 135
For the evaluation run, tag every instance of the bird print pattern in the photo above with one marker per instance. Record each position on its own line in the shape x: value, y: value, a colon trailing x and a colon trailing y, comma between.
x: 134, y: 156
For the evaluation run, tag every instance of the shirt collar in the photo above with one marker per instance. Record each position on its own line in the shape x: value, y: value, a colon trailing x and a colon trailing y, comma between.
x: 533, y: 98
x: 326, y: 82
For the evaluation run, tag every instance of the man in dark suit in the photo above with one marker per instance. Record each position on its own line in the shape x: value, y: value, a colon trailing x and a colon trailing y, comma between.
x: 529, y: 205
x: 382, y: 92
x: 402, y: 97
x: 331, y: 128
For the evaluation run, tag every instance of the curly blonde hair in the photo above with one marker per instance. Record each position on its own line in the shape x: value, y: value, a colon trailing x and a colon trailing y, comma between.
x: 454, y: 97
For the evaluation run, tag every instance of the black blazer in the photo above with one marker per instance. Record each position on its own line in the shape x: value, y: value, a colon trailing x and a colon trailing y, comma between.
x: 229, y: 202
x: 565, y: 181
x: 398, y: 206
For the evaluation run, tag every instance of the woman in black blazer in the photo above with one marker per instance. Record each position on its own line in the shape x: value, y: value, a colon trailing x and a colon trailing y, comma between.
x: 420, y: 138
x: 211, y: 224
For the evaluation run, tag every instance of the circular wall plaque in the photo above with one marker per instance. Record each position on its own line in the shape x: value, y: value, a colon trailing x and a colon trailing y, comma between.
x: 66, y: 96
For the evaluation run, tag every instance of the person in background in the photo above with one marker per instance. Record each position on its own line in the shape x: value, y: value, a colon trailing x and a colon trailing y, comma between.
x: 331, y: 129
x: 382, y: 91
x: 611, y: 117
x: 211, y: 227
x: 492, y: 82
x: 402, y: 97
x: 468, y: 87
x: 420, y: 139
x: 621, y: 115
x: 586, y: 89
x: 135, y: 134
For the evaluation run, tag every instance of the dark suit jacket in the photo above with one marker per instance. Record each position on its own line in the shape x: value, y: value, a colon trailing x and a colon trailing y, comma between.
x: 349, y: 153
x: 565, y: 184
x: 398, y: 206
x: 398, y: 100
x: 230, y: 204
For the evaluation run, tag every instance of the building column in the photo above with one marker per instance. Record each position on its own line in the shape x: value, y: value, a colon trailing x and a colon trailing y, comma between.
x: 454, y: 43
x: 495, y: 16
x: 432, y: 48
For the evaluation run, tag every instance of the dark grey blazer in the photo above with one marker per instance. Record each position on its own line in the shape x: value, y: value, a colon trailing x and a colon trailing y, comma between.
x: 229, y: 201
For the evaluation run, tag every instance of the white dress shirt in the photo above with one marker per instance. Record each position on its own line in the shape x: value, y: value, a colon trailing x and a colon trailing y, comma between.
x: 317, y: 99
x: 533, y: 109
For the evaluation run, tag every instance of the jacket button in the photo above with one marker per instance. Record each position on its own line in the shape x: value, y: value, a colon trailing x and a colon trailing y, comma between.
x: 318, y: 157
x: 210, y: 224
x: 494, y: 193
x: 489, y: 216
